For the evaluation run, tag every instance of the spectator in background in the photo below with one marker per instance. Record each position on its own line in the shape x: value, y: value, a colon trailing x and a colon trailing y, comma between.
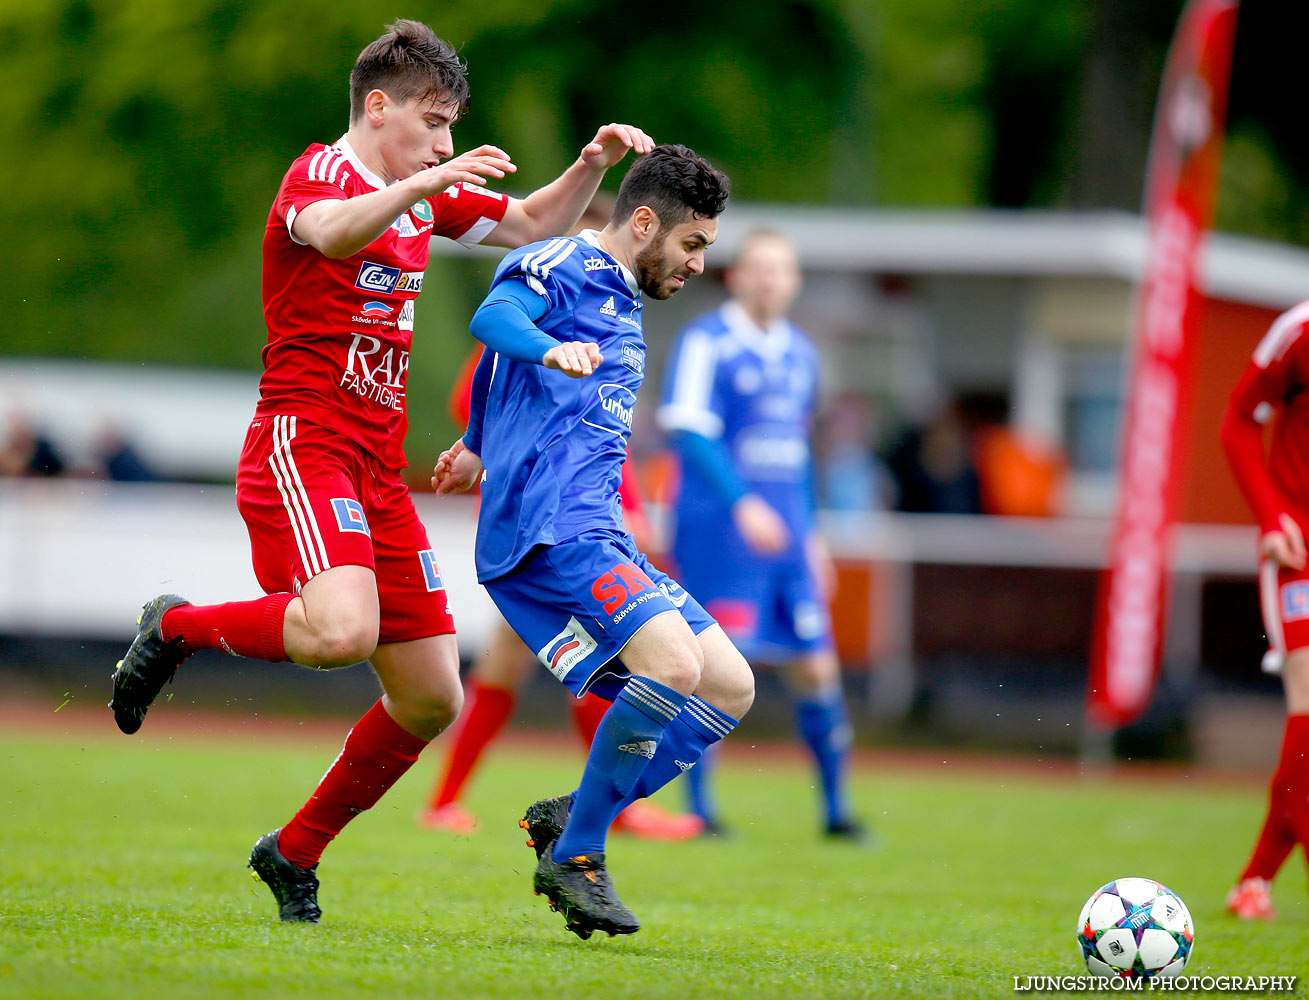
x: 850, y: 476
x: 27, y: 451
x: 1019, y: 475
x: 934, y: 469
x: 739, y: 395
x: 121, y: 461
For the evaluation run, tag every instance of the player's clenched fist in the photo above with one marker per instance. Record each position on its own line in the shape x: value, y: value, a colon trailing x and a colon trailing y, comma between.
x: 574, y: 359
x: 456, y: 471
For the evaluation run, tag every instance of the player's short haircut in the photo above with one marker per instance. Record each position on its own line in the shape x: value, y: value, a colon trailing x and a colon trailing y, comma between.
x: 408, y: 62
x: 674, y: 183
x: 761, y: 234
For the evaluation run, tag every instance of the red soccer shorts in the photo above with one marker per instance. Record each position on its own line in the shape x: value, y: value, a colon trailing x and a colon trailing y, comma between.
x: 312, y: 499
x: 1284, y: 601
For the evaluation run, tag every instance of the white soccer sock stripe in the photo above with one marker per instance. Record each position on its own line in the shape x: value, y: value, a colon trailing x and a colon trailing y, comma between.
x: 705, y: 714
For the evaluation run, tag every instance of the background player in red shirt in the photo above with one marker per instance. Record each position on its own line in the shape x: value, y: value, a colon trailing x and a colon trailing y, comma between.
x: 1277, y: 485
x: 336, y: 543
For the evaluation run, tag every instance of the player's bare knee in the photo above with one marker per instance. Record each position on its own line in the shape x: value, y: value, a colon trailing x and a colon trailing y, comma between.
x: 344, y: 644
x: 433, y: 711
x: 728, y: 683
x: 816, y: 672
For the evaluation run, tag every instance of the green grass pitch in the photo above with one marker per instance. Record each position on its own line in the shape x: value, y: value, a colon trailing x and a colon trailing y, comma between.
x: 122, y: 875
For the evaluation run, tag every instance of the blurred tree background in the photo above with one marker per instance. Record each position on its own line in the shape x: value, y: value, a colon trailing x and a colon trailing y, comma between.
x: 147, y: 137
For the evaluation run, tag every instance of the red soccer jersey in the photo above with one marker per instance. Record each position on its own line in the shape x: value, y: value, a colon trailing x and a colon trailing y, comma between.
x: 1275, y: 380
x: 339, y: 331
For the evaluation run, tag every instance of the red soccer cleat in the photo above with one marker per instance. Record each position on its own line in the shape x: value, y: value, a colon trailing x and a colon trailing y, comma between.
x: 1252, y: 899
x: 451, y: 817
x: 645, y: 819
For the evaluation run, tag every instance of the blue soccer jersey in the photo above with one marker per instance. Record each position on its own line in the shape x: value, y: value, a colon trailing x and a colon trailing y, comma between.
x: 755, y: 391
x: 553, y: 446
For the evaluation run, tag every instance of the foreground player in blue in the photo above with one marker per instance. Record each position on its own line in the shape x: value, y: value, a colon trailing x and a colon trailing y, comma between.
x: 738, y: 401
x: 552, y: 408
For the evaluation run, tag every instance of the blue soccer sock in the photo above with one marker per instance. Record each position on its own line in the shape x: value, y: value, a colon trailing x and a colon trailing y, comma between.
x: 699, y: 793
x: 697, y: 727
x: 625, y: 744
x: 825, y: 728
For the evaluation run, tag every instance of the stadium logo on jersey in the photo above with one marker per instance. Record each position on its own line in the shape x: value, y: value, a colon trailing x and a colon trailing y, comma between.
x: 350, y: 515
x: 597, y: 264
x: 1295, y: 601
x: 619, y: 402
x: 377, y: 277
x: 634, y: 358
x: 566, y: 650
x: 410, y: 281
x: 608, y: 309
x: 431, y: 575
x: 376, y: 309
x: 422, y: 211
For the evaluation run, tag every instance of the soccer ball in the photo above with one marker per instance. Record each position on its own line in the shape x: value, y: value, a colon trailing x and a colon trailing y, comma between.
x: 1135, y: 928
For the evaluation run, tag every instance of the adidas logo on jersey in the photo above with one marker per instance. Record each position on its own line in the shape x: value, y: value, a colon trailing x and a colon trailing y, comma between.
x: 642, y: 748
x: 608, y: 308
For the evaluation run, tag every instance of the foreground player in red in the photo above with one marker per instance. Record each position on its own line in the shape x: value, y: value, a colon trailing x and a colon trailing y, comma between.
x: 336, y: 543
x: 1277, y: 485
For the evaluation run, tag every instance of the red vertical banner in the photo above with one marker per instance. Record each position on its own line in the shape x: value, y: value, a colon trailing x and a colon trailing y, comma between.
x: 1185, y: 148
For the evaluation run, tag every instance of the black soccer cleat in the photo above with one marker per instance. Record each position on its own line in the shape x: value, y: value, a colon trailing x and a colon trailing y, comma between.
x: 149, y: 664
x: 581, y: 890
x: 851, y: 831
x: 294, y: 888
x: 545, y: 821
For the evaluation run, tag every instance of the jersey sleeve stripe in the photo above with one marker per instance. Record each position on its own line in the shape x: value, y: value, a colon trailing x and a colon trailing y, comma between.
x: 684, y: 418
x: 336, y: 165
x: 529, y: 262
x: 693, y: 377
x: 477, y: 232
x: 558, y: 259
x: 1281, y: 335
x: 313, y: 163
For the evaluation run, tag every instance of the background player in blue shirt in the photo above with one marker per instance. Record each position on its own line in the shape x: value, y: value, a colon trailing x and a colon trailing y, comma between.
x: 552, y: 409
x: 738, y: 400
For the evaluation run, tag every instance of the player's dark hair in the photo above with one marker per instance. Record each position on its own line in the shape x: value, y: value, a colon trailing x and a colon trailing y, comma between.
x: 673, y: 182
x: 408, y: 62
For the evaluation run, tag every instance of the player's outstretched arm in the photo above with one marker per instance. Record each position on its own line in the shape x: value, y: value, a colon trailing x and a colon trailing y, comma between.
x: 555, y: 208
x: 338, y: 229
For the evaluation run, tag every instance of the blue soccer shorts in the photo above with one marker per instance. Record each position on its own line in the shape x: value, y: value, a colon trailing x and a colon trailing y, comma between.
x: 771, y: 608
x: 577, y: 603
